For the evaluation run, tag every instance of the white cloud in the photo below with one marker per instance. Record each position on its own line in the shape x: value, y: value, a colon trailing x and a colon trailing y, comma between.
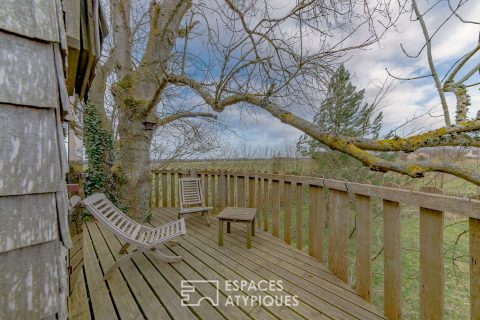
x: 412, y: 98
x: 258, y: 128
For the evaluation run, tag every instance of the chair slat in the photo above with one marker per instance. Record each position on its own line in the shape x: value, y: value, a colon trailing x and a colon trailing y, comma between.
x: 135, y: 231
x: 141, y: 238
x: 114, y: 222
x: 126, y: 227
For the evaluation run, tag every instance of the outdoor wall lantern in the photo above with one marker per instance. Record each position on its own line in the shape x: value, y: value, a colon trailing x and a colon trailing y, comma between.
x: 149, y: 125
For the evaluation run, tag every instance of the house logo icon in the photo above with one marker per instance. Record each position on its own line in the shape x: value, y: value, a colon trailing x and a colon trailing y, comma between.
x: 191, y: 296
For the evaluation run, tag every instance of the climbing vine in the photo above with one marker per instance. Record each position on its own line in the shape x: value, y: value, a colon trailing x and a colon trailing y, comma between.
x: 99, y: 148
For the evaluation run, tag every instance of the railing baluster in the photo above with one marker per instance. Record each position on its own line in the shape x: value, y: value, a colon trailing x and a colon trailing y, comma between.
x: 338, y: 233
x: 299, y: 217
x: 231, y: 191
x: 173, y: 190
x: 474, y: 240
x: 315, y: 236
x: 275, y: 208
x: 265, y: 205
x: 240, y: 191
x: 218, y: 203
x: 259, y: 201
x: 363, y: 246
x: 312, y: 219
x: 212, y: 191
x: 205, y: 188
x: 157, y: 190
x: 288, y: 212
x: 392, y: 280
x: 431, y: 261
x: 251, y: 191
x: 164, y: 190
x: 222, y: 186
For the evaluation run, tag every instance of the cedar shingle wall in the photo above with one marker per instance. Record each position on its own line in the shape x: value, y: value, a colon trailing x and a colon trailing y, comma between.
x: 33, y: 212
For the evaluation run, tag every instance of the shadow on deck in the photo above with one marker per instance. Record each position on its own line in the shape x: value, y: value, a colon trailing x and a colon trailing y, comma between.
x: 148, y: 288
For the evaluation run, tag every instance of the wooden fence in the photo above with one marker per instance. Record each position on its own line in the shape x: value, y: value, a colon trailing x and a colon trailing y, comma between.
x: 270, y: 193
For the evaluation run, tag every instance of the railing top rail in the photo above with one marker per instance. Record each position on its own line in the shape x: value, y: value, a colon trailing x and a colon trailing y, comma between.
x: 464, y: 206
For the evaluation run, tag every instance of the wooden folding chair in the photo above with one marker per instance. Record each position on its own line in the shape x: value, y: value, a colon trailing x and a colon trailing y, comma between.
x: 191, y: 197
x: 133, y: 233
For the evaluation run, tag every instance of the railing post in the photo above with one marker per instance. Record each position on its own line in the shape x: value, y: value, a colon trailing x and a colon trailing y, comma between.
x: 392, y: 280
x: 338, y: 233
x: 431, y: 261
x: 474, y: 240
x: 363, y: 246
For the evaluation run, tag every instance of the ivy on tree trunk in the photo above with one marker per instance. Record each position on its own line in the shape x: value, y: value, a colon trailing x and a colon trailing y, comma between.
x: 99, y: 148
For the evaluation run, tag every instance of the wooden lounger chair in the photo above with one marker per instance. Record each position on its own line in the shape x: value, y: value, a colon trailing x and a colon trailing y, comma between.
x: 133, y: 233
x: 191, y: 197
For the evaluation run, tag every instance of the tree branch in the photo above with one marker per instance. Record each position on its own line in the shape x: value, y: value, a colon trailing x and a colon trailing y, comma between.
x: 180, y: 115
x: 414, y: 169
x: 433, y: 70
x: 122, y: 35
x: 442, y: 137
x: 350, y: 146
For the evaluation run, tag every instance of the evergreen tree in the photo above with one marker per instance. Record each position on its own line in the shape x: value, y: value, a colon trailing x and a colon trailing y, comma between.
x: 342, y: 112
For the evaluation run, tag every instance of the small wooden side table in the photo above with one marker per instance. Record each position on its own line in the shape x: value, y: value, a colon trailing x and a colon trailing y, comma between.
x: 234, y: 214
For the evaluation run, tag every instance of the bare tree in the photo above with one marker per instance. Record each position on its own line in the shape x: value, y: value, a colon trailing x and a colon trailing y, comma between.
x: 127, y: 94
x: 254, y: 53
x: 277, y: 71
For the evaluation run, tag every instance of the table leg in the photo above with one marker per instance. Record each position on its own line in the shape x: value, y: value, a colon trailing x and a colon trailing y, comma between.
x: 228, y: 226
x: 249, y: 234
x: 220, y: 232
x: 253, y: 227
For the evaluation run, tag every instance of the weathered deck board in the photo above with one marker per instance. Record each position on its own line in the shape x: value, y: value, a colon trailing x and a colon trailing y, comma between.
x: 123, y: 299
x: 306, y: 284
x: 151, y: 307
x: 156, y: 285
x: 78, y: 300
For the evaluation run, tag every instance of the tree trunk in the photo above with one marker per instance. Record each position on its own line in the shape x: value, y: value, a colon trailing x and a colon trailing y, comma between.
x: 137, y: 94
x: 133, y: 167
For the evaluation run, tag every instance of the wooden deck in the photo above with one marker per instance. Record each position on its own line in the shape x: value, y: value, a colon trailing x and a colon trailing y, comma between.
x: 148, y: 288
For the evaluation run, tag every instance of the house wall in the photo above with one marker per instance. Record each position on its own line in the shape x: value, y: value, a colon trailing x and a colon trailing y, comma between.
x: 34, y: 234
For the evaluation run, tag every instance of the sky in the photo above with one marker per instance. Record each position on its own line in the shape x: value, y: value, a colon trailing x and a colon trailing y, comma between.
x: 407, y: 100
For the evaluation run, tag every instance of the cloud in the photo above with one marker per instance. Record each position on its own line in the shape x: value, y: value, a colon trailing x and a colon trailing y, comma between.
x: 258, y: 128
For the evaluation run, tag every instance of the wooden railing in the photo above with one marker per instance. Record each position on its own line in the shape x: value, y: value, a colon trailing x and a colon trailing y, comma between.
x: 281, y: 200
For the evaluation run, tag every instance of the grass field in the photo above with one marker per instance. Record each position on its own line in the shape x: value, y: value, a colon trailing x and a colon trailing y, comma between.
x: 456, y: 260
